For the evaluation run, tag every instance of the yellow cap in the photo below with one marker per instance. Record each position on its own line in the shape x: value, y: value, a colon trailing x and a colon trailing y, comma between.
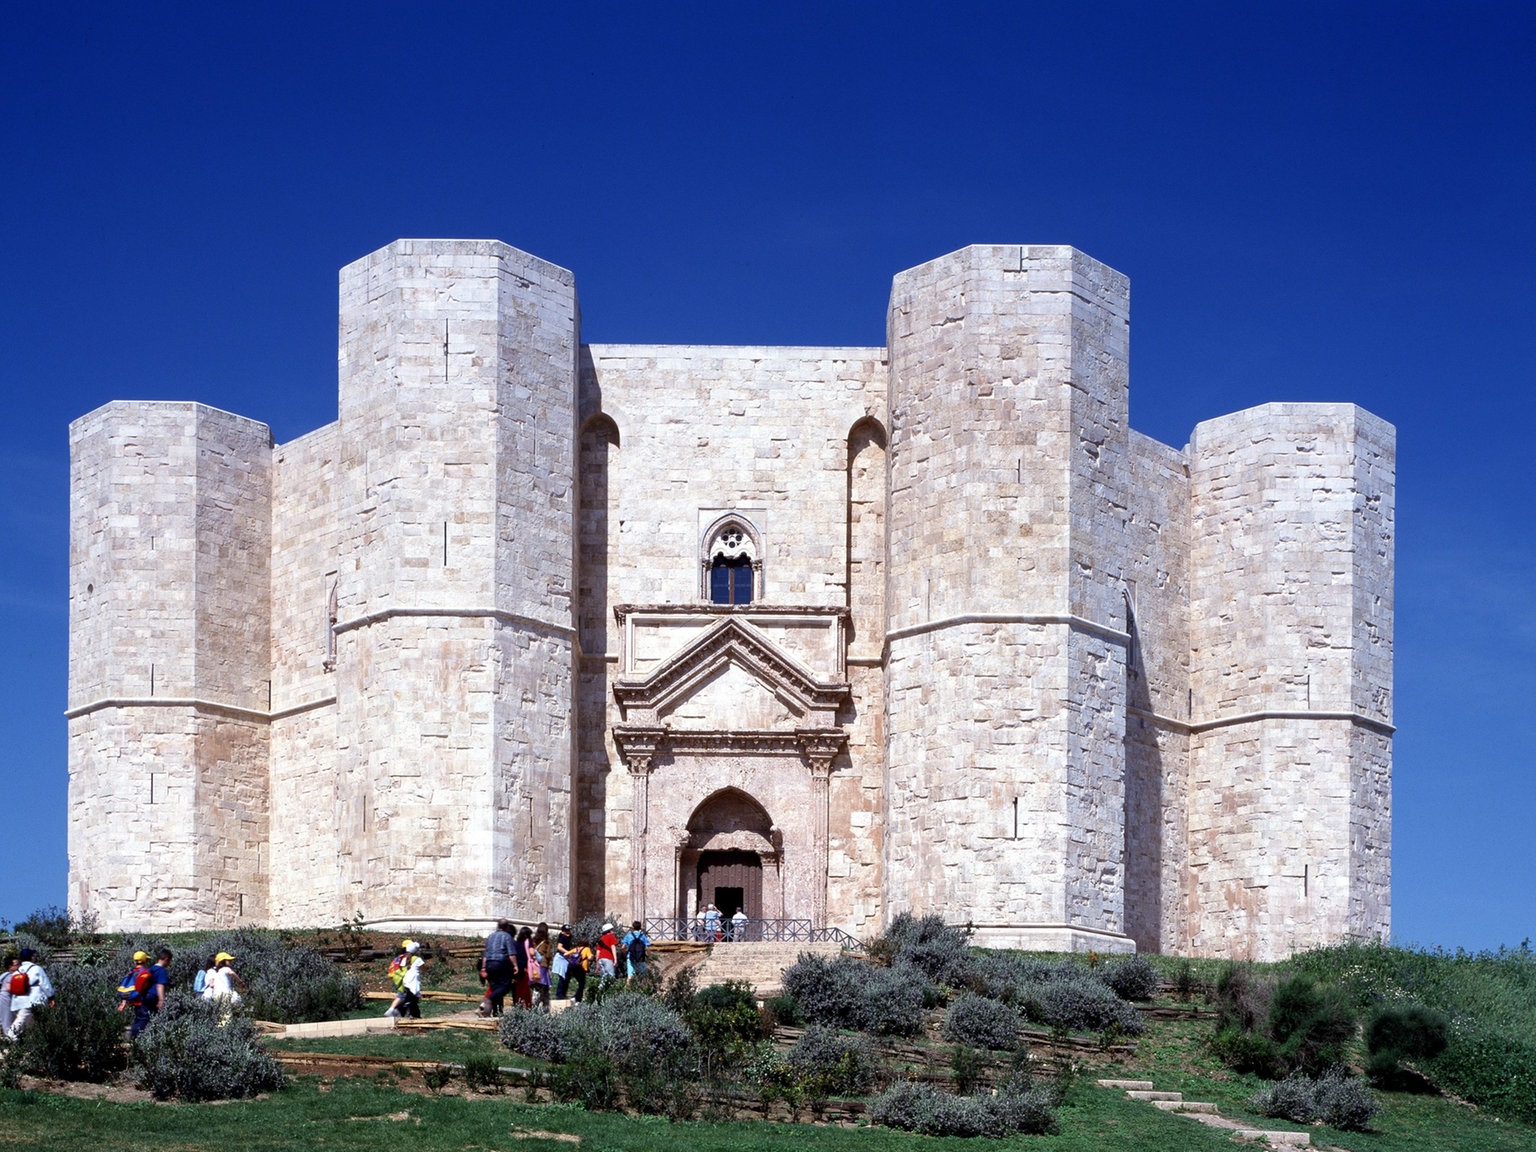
x: 221, y: 957
x: 137, y: 956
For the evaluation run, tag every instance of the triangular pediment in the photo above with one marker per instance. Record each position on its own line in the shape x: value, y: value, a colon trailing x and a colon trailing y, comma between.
x: 730, y: 658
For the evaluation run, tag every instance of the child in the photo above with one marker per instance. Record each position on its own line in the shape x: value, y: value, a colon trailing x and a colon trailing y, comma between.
x: 407, y: 1000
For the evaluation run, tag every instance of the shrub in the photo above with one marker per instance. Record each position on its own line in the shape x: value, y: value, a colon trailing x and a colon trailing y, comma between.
x: 81, y: 1036
x: 1402, y: 1032
x: 1337, y: 1100
x: 923, y: 1109
x: 185, y: 1053
x: 1312, y: 1025
x: 1131, y: 978
x: 940, y: 951
x: 827, y: 991
x: 681, y: 992
x: 1242, y: 998
x: 725, y: 1016
x: 1004, y: 975
x: 286, y: 982
x: 55, y: 927
x: 831, y: 1063
x: 536, y: 1034
x: 966, y: 1065
x: 483, y: 1074
x: 984, y: 1023
x: 1075, y: 1000
x: 587, y: 1078
x: 892, y: 999
x: 781, y: 1010
x: 1246, y: 1051
x: 634, y: 1032
x: 638, y: 1031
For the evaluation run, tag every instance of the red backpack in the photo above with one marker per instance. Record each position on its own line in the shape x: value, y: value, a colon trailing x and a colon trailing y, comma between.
x: 20, y: 983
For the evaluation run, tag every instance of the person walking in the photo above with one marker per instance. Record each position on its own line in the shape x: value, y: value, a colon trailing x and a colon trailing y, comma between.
x: 522, y: 990
x: 497, y: 968
x: 30, y: 989
x: 407, y: 1001
x: 541, y: 955
x: 12, y: 962
x: 154, y: 996
x: 637, y: 946
x: 607, y: 953
x: 226, y: 986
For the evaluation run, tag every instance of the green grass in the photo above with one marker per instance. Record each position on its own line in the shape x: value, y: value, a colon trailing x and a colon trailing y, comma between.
x: 1494, y: 992
x: 365, y: 1115
x: 1173, y: 1055
x: 450, y: 1045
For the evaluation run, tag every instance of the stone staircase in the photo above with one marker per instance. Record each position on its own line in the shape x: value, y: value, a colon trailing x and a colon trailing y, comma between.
x: 759, y: 963
x: 1205, y: 1112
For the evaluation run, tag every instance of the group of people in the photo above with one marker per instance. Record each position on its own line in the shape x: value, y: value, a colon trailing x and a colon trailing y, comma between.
x: 711, y: 926
x: 532, y: 966
x: 23, y: 989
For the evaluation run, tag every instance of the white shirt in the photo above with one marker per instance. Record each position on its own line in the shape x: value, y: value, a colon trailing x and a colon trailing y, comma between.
x: 40, y: 992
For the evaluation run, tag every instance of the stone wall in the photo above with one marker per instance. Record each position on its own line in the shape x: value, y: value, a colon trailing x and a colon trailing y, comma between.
x: 169, y: 534
x: 1009, y: 661
x: 1005, y: 680
x: 1288, y: 563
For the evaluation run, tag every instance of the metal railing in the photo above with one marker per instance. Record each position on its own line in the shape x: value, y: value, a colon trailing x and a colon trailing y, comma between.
x: 752, y: 930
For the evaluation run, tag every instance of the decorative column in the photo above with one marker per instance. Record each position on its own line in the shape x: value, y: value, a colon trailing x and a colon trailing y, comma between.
x: 819, y: 746
x: 638, y: 747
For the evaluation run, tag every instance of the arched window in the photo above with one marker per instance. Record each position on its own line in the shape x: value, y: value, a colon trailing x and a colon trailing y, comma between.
x: 732, y: 564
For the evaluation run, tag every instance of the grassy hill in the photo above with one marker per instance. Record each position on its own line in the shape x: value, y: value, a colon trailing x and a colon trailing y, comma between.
x: 1479, y: 1095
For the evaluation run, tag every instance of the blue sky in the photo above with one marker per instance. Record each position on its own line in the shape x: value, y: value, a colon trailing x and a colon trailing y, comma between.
x: 1312, y: 201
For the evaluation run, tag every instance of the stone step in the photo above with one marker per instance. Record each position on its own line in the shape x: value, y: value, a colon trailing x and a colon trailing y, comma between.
x: 1128, y: 1085
x: 759, y: 963
x: 1271, y: 1136
x: 1156, y: 1097
x: 1185, y: 1106
x: 329, y: 1029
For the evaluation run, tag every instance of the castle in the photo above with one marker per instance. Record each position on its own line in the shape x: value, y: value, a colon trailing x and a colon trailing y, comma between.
x: 538, y: 627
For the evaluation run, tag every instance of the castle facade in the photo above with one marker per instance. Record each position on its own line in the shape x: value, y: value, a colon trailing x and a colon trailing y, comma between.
x: 539, y: 627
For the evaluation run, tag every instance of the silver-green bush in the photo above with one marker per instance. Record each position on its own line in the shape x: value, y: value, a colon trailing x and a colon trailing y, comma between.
x: 1337, y: 1099
x: 186, y: 1054
x: 924, y: 1109
x: 981, y: 1022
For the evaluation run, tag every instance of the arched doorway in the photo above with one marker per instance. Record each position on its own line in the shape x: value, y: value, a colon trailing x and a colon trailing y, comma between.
x: 731, y: 880
x: 731, y: 859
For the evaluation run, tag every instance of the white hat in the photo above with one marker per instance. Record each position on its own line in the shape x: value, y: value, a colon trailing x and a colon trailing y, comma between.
x: 608, y: 927
x: 412, y: 947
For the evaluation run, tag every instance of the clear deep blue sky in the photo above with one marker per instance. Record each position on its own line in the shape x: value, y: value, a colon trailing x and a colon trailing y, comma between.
x: 1312, y: 201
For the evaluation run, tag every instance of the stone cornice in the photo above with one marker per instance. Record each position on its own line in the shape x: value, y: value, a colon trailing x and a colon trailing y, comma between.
x: 1077, y: 623
x: 501, y: 616
x: 638, y: 743
x: 197, y: 704
x: 756, y: 608
x: 1197, y: 726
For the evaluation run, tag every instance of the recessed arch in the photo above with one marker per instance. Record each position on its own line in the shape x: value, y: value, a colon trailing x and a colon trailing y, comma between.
x: 866, y: 537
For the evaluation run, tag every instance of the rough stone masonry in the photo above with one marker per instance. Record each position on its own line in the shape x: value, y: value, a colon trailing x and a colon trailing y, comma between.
x: 539, y: 627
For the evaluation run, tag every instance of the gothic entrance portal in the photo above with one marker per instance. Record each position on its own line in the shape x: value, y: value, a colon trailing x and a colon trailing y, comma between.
x: 731, y: 880
x: 731, y: 859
